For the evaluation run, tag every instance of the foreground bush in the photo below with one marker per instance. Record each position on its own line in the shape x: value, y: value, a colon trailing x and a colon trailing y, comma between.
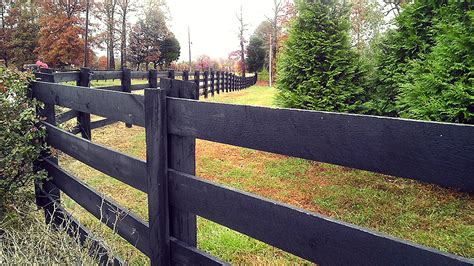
x: 21, y: 140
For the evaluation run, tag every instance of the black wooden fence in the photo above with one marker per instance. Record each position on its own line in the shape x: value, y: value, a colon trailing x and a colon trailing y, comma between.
x: 437, y: 153
x: 209, y: 84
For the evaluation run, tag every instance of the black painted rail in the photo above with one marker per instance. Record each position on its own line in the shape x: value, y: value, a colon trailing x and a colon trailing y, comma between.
x: 436, y: 153
x: 209, y: 83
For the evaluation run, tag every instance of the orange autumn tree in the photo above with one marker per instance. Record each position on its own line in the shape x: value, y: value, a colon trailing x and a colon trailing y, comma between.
x: 61, y: 40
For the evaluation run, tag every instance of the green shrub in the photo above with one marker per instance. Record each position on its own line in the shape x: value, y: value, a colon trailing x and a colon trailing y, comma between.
x: 318, y: 69
x: 21, y: 139
x: 411, y: 39
x: 440, y: 87
x: 264, y: 75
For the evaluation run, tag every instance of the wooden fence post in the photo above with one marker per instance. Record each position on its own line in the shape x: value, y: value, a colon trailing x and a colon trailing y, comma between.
x: 153, y: 78
x: 186, y: 75
x: 233, y: 82
x: 224, y: 81
x: 218, y: 84
x: 127, y: 84
x: 227, y: 87
x: 84, y: 119
x: 213, y: 76
x: 182, y: 157
x: 157, y: 174
x: 197, y: 80
x: 171, y: 74
x: 48, y: 112
x: 206, y: 82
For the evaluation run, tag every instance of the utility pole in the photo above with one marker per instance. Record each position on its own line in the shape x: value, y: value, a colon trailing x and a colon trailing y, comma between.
x: 86, y: 38
x: 189, y: 42
x: 270, y: 62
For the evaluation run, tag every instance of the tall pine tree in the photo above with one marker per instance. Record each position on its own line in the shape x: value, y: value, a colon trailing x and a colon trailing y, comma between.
x: 441, y: 86
x: 318, y: 69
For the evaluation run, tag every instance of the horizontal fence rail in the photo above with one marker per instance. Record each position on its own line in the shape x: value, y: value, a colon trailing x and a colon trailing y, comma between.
x: 307, y: 235
x: 431, y: 152
x: 436, y: 153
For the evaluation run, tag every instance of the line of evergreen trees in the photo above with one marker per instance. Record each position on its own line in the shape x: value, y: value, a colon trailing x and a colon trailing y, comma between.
x: 423, y: 68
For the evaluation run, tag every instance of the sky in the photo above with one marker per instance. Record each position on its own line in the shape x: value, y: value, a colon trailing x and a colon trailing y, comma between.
x: 214, y: 24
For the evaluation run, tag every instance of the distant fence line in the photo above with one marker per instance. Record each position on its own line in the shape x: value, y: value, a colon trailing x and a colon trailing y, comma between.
x: 437, y: 153
x: 209, y: 82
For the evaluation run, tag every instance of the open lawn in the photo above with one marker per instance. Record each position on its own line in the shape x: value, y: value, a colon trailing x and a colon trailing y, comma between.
x: 426, y: 214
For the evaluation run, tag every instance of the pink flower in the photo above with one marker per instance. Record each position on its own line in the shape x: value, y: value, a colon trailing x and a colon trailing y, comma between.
x: 42, y: 64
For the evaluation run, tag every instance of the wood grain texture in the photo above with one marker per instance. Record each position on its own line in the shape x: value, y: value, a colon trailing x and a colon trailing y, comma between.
x: 114, y: 105
x: 102, y: 123
x: 137, y: 87
x: 123, y: 221
x: 110, y: 88
x: 106, y: 75
x: 64, y: 117
x: 157, y: 166
x: 313, y: 237
x: 140, y: 75
x: 153, y: 78
x: 182, y: 156
x: 84, y: 118
x: 60, y: 77
x: 127, y: 169
x: 436, y: 153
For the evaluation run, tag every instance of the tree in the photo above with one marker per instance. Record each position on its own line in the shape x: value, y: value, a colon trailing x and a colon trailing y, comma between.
x: 203, y: 62
x: 148, y: 35
x: 169, y: 51
x: 106, y: 11
x: 332, y: 80
x: 241, y: 35
x: 102, y: 62
x: 367, y: 20
x: 440, y: 86
x: 20, y: 33
x: 125, y: 8
x: 138, y: 48
x: 61, y: 40
x: 255, y: 54
x: 156, y: 30
x: 4, y: 36
x: 410, y: 41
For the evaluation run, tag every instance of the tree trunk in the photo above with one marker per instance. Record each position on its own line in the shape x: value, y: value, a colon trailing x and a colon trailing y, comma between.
x: 123, y: 46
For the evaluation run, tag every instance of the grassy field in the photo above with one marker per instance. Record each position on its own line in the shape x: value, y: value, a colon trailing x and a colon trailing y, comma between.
x: 429, y: 215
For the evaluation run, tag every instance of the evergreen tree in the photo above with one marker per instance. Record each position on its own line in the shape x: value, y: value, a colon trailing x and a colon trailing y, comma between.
x: 255, y: 54
x: 440, y: 87
x: 24, y: 39
x: 318, y: 69
x: 410, y: 40
x: 169, y: 51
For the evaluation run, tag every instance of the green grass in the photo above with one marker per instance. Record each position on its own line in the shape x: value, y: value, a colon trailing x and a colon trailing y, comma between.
x: 425, y: 214
x: 105, y: 83
x: 256, y: 95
